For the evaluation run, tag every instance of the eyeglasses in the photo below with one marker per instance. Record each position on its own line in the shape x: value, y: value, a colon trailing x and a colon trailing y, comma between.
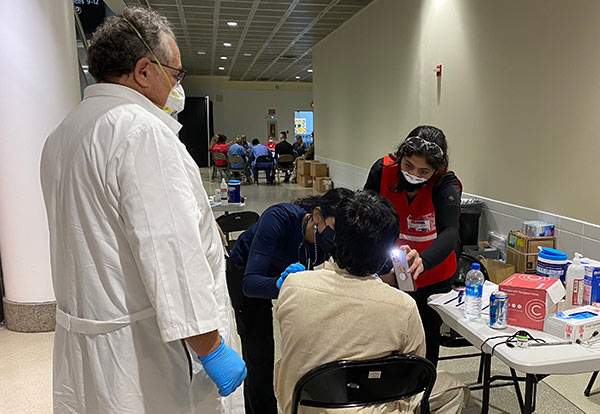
x: 180, y: 72
x: 418, y: 143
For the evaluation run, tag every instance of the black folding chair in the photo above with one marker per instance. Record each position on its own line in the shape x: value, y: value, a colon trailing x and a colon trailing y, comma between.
x: 450, y: 338
x: 265, y: 159
x: 344, y: 384
x: 238, y: 221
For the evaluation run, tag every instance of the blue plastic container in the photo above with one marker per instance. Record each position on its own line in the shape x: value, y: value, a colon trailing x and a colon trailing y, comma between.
x: 235, y: 194
x: 552, y: 263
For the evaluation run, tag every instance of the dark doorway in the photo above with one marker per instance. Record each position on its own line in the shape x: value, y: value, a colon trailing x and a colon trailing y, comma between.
x: 198, y: 127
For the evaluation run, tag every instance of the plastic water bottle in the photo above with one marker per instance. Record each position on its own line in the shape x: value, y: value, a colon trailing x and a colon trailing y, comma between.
x: 224, y: 192
x: 473, y: 292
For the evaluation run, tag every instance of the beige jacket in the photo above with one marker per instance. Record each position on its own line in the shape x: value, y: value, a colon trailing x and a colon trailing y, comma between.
x: 328, y: 315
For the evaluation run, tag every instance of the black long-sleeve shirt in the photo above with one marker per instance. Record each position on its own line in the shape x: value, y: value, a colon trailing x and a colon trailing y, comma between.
x: 269, y: 246
x: 446, y: 200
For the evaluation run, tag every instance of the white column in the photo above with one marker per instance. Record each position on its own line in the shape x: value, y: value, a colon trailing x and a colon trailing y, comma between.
x: 39, y: 85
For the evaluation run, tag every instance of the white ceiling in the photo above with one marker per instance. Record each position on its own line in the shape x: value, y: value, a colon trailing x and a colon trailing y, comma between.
x: 277, y: 34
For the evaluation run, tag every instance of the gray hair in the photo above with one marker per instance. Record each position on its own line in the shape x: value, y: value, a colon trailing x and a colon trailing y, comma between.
x: 116, y: 47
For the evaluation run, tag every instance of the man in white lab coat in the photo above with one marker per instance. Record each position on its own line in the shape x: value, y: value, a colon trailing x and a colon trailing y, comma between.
x: 143, y: 314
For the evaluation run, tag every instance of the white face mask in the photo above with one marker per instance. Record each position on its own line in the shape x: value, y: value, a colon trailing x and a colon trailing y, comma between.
x: 413, y: 179
x: 175, y: 101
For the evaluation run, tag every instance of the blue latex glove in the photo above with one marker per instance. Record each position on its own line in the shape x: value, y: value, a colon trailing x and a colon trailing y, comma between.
x: 293, y: 268
x: 225, y: 368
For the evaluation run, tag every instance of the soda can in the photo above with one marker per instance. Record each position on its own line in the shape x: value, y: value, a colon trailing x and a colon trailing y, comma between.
x: 498, y: 310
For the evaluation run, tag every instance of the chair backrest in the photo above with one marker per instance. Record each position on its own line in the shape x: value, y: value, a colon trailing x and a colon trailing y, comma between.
x: 265, y: 158
x: 464, y: 265
x: 343, y: 384
x: 285, y: 159
x: 219, y: 156
x: 238, y: 221
x: 236, y: 159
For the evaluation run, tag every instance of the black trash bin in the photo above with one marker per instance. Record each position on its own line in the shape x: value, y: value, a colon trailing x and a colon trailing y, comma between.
x: 470, y: 214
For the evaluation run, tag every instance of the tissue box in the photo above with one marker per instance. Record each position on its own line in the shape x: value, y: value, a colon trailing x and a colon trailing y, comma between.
x: 576, y: 323
x: 536, y: 228
x: 531, y: 298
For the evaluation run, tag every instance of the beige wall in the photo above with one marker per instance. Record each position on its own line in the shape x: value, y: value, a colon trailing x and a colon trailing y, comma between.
x: 518, y: 99
x: 242, y: 107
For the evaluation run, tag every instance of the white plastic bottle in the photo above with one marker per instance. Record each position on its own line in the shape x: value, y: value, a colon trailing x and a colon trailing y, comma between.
x: 575, y: 282
x: 224, y: 191
x: 473, y: 293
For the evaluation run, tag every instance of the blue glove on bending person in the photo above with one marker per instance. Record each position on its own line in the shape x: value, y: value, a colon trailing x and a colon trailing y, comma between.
x: 225, y: 368
x: 293, y: 268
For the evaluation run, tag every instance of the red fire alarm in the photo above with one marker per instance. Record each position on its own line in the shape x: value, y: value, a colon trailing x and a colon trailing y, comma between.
x: 438, y: 71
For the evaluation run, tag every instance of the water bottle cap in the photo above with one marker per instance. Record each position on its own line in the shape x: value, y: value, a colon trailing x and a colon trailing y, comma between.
x: 475, y: 266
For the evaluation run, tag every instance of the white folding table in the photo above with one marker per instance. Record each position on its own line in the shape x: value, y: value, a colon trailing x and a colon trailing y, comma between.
x: 542, y: 360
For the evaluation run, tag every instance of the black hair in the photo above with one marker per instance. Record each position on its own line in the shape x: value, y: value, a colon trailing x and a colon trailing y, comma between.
x: 366, y: 228
x: 328, y: 202
x: 255, y: 141
x: 283, y: 133
x: 222, y: 139
x: 430, y: 134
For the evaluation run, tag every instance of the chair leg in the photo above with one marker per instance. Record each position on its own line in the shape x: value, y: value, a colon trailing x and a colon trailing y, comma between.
x: 588, y: 389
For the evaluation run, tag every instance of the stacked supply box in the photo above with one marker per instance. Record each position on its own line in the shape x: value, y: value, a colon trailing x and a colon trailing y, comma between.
x: 522, y: 250
x: 320, y: 180
x: 537, y: 228
x: 574, y: 324
x: 322, y: 184
x: 318, y: 169
x: 303, y: 176
x: 591, y: 287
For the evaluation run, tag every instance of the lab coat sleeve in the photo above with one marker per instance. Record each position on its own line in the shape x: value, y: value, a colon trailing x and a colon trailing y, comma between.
x: 161, y: 221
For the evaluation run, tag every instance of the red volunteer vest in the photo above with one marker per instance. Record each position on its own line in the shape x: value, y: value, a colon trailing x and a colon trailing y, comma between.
x: 417, y: 222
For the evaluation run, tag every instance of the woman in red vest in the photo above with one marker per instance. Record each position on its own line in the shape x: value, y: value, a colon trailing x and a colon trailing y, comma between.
x: 426, y: 196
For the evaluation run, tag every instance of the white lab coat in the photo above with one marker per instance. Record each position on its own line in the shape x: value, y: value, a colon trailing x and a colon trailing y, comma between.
x: 137, y: 262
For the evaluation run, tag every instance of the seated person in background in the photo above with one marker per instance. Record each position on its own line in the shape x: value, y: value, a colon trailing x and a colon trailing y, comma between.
x: 238, y: 150
x: 299, y: 146
x: 259, y: 150
x: 345, y: 311
x: 271, y: 143
x: 221, y: 147
x: 282, y: 148
x: 244, y: 143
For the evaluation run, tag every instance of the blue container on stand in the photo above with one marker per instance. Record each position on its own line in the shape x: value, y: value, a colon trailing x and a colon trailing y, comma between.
x: 234, y: 190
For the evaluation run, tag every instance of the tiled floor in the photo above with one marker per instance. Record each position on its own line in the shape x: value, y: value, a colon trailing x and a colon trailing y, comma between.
x: 25, y: 359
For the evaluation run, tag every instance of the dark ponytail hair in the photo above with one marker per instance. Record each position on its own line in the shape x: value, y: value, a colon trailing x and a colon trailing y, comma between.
x: 328, y: 202
x: 430, y: 134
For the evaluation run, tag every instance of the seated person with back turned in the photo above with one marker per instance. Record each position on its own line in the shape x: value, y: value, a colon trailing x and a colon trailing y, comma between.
x: 259, y: 150
x: 238, y: 150
x: 345, y: 311
x: 220, y: 146
x: 284, y: 148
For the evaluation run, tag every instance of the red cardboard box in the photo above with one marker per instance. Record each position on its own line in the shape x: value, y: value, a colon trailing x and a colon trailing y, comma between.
x: 531, y: 298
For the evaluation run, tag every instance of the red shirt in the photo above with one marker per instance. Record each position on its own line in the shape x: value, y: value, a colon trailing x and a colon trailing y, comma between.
x: 271, y: 145
x: 223, y: 149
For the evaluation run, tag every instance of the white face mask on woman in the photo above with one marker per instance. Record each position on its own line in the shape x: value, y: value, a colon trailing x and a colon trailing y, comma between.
x: 413, y: 179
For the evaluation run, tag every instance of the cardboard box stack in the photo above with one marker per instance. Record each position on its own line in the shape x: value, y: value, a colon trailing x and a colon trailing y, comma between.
x: 303, y: 176
x: 320, y: 179
x: 522, y: 250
